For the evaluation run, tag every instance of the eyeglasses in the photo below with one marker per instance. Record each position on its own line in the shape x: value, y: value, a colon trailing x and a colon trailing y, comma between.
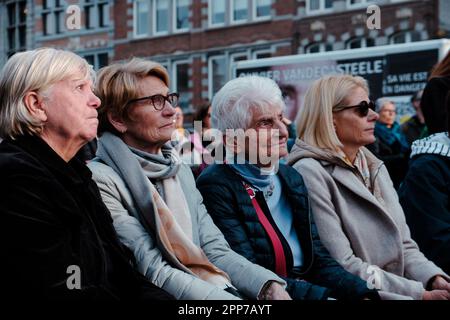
x: 159, y: 101
x: 363, y: 108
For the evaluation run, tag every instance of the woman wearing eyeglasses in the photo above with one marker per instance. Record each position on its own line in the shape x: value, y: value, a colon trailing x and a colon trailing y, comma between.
x: 355, y: 206
x: 156, y: 208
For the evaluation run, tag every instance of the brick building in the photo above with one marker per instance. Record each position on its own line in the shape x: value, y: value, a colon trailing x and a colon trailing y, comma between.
x: 199, y: 40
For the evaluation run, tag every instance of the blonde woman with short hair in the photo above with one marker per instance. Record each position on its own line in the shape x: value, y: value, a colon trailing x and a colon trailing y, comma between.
x: 355, y: 206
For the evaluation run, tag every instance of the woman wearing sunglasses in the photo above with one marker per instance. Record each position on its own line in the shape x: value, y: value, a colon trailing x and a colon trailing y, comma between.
x: 355, y: 205
x: 156, y: 207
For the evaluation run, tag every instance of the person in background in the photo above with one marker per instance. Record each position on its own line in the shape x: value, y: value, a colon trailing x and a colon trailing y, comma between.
x: 291, y: 132
x: 391, y: 145
x: 425, y: 195
x: 433, y: 98
x: 262, y: 207
x: 156, y: 207
x: 179, y: 122
x: 355, y: 206
x: 200, y: 138
x: 58, y: 241
x: 414, y: 128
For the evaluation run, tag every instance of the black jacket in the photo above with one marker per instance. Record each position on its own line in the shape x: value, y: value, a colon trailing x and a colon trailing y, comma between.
x: 231, y: 209
x: 53, y: 218
x: 425, y: 198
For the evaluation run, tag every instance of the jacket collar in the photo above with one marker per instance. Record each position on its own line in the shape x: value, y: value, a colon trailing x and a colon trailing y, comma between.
x: 72, y: 172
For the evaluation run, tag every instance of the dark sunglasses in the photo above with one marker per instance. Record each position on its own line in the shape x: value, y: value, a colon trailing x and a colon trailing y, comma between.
x: 363, y: 108
x: 159, y: 101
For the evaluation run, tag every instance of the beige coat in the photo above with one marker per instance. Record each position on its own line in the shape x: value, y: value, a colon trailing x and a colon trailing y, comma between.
x: 360, y: 229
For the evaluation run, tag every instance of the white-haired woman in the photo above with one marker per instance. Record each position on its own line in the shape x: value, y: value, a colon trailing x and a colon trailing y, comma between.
x: 156, y: 208
x: 391, y: 145
x: 58, y: 241
x: 356, y: 208
x: 262, y: 206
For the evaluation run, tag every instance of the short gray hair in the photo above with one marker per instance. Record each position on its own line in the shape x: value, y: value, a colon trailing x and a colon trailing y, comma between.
x: 34, y: 70
x: 381, y: 102
x: 234, y: 104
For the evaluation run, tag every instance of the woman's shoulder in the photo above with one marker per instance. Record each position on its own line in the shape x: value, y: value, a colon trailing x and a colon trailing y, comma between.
x: 16, y: 162
x: 308, y: 165
x: 102, y: 173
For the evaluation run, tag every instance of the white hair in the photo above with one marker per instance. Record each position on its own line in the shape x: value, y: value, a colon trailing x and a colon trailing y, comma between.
x: 234, y: 104
x: 35, y: 70
x: 381, y: 102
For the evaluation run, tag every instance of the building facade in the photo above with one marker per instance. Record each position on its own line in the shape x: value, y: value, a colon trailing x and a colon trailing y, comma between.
x: 199, y: 40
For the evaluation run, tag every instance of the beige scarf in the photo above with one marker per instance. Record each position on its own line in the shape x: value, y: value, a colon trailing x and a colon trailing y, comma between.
x: 176, y: 225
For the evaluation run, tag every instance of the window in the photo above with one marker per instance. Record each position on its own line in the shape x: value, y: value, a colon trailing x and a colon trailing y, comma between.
x: 405, y: 37
x: 317, y: 6
x: 217, y: 12
x: 261, y: 9
x: 181, y: 14
x: 16, y: 26
x: 319, y: 47
x: 261, y: 54
x: 96, y: 13
x: 181, y: 83
x: 217, y: 75
x: 141, y: 13
x: 240, y: 10
x: 97, y: 60
x: 52, y: 18
x: 360, y: 43
x: 359, y: 3
x: 234, y: 58
x: 103, y: 14
x: 161, y: 16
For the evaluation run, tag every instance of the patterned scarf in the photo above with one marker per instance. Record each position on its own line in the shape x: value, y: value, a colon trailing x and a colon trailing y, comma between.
x: 172, y: 221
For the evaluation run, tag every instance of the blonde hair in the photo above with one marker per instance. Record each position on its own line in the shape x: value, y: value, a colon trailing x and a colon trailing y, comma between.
x: 34, y: 70
x: 118, y: 83
x: 315, y: 118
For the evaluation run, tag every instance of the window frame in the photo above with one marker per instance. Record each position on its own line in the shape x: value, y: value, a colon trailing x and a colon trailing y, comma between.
x: 321, y: 10
x: 210, y: 72
x: 408, y: 36
x: 322, y: 47
x: 15, y: 27
x: 254, y: 11
x: 154, y: 31
x: 210, y: 15
x: 174, y: 82
x: 135, y: 19
x: 174, y: 17
x: 231, y: 9
x: 363, y: 42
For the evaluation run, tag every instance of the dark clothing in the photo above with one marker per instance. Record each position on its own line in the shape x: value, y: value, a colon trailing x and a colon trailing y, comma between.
x: 425, y: 198
x: 391, y: 147
x: 53, y: 218
x: 232, y: 211
x: 433, y: 104
x: 412, y: 129
x: 87, y: 152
